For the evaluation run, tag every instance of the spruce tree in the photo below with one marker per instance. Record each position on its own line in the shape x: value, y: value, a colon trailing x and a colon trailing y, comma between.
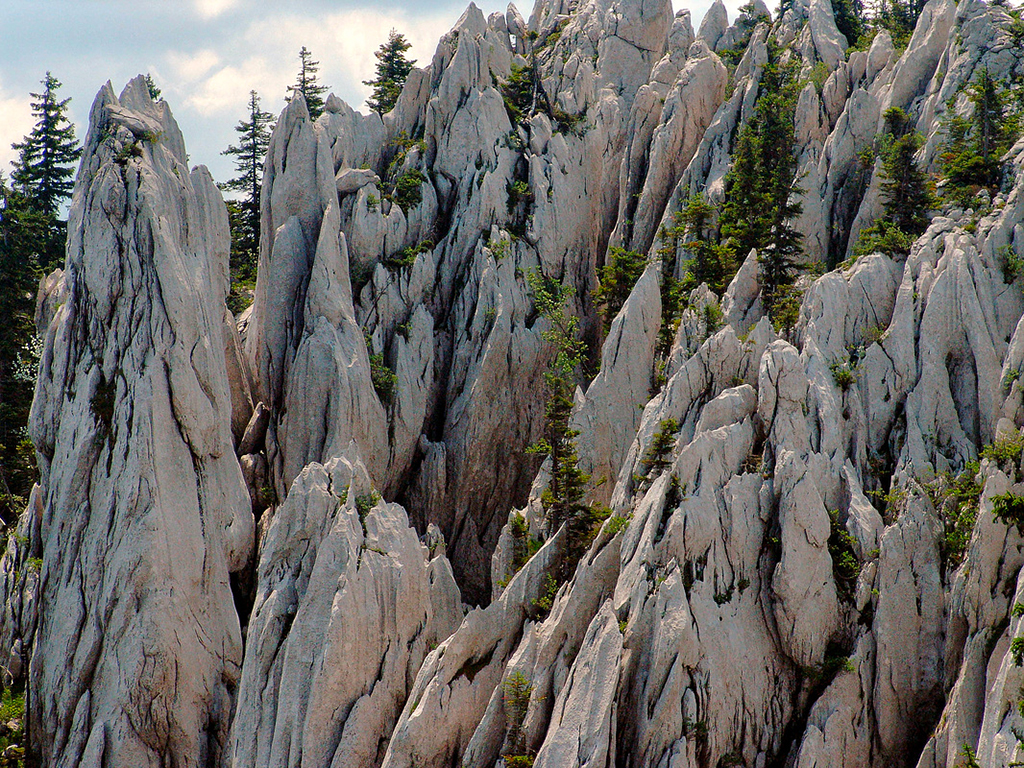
x: 711, y: 262
x: 975, y: 145
x: 306, y: 84
x: 44, y: 171
x: 154, y: 92
x: 760, y: 187
x: 249, y: 153
x: 563, y: 498
x: 905, y: 190
x: 849, y: 16
x: 392, y: 70
x: 25, y: 233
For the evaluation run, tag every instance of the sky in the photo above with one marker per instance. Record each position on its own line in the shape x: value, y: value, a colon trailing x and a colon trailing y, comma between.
x: 206, y: 55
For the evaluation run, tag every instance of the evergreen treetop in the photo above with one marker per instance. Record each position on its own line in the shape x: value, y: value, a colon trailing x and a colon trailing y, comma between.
x: 44, y: 171
x: 762, y: 183
x: 306, y: 83
x: 244, y: 214
x: 154, y: 91
x: 393, y: 69
x: 972, y: 153
x: 905, y: 190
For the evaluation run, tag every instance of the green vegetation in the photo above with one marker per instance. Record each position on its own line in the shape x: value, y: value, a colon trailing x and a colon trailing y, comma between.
x: 905, y: 188
x: 710, y: 262
x: 657, y: 460
x: 563, y: 498
x: 12, y: 728
x: 154, y: 92
x: 833, y: 664
x: 244, y: 214
x: 1011, y: 263
x: 844, y: 373
x: 845, y: 566
x: 1017, y: 651
x: 747, y: 20
x: 970, y: 758
x: 849, y: 16
x: 385, y: 380
x: 32, y: 238
x: 524, y: 97
x: 518, y: 93
x: 364, y: 503
x: 971, y: 157
x: 955, y: 498
x: 524, y: 546
x: 517, y: 690
x: 1005, y: 451
x: 407, y: 194
x: 615, y: 281
x: 760, y: 187
x: 547, y: 599
x: 44, y: 171
x: 407, y: 256
x: 1008, y: 508
x: 393, y: 69
x: 306, y: 83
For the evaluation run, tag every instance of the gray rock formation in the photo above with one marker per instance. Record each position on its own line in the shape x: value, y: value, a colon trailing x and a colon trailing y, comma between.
x: 142, y: 511
x: 798, y: 574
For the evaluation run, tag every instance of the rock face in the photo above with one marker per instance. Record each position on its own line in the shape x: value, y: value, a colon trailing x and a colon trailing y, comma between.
x: 347, y: 606
x: 144, y: 514
x: 802, y: 562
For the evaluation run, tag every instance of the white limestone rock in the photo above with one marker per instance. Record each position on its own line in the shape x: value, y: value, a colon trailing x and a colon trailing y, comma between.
x: 348, y: 604
x: 144, y: 512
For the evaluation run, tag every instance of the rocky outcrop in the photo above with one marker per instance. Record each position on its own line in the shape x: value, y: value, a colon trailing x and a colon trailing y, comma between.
x: 144, y: 515
x: 802, y: 561
x: 348, y: 603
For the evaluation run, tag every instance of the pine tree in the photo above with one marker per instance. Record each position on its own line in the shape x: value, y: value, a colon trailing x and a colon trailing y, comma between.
x: 24, y: 235
x: 711, y: 263
x: 616, y: 280
x: 154, y: 92
x: 44, y: 172
x: 905, y: 190
x: 392, y: 70
x: 563, y: 498
x: 849, y: 16
x: 306, y: 84
x: 253, y: 142
x: 906, y: 196
x: 761, y: 185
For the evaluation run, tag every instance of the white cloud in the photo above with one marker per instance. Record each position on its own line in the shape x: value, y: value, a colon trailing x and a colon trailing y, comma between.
x: 344, y: 43
x: 15, y: 123
x: 210, y: 9
x: 226, y: 90
x: 190, y: 67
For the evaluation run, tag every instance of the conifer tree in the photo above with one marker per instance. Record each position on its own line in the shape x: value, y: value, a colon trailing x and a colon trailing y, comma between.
x: 563, y: 498
x: 616, y: 280
x: 975, y: 145
x: 44, y: 171
x: 25, y: 233
x: 154, y: 91
x: 849, y: 16
x: 711, y: 263
x: 392, y: 70
x: 905, y: 190
x: 906, y: 197
x: 306, y: 83
x: 760, y: 187
x: 249, y: 153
